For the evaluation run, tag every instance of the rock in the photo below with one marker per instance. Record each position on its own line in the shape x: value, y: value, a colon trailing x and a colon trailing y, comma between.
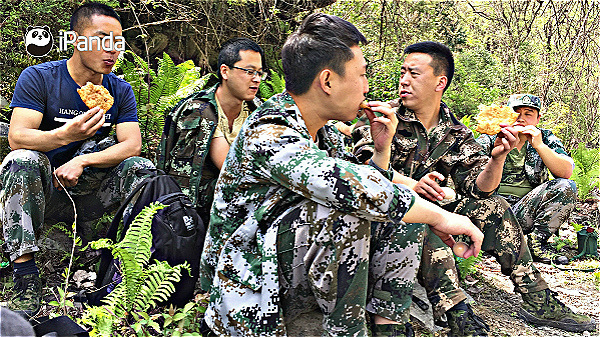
x: 81, y: 275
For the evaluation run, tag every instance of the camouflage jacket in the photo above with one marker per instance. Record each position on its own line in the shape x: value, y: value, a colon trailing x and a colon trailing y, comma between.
x: 274, y: 164
x: 449, y: 149
x: 185, y: 144
x: 535, y: 170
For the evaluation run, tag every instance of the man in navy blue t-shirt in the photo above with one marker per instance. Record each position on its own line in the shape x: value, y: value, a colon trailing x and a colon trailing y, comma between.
x: 59, y: 145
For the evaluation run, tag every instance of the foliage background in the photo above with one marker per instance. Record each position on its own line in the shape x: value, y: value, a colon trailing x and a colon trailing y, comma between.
x: 548, y: 48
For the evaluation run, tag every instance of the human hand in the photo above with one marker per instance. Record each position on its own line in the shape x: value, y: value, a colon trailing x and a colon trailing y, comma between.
x: 534, y: 135
x: 383, y: 127
x: 429, y: 188
x: 83, y: 126
x: 506, y: 141
x: 454, y: 224
x: 68, y: 174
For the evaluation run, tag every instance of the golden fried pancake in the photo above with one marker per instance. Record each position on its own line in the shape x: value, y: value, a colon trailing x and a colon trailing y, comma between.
x: 94, y: 95
x: 490, y: 118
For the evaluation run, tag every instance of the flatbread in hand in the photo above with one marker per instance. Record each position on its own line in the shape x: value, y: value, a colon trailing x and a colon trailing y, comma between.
x: 490, y: 118
x: 94, y: 95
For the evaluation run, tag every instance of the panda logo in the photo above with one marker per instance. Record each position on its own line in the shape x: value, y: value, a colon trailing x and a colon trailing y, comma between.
x: 38, y: 41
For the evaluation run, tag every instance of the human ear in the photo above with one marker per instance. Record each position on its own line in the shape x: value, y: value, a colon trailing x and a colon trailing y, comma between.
x: 223, y: 70
x: 325, y: 80
x: 442, y: 82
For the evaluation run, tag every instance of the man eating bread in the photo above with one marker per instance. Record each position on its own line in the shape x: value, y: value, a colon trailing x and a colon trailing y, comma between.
x: 430, y: 148
x: 60, y: 145
x: 541, y: 205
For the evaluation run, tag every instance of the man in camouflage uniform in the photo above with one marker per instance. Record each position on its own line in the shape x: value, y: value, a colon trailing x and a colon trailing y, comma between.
x: 298, y: 222
x: 202, y: 126
x: 59, y: 145
x: 541, y: 205
x: 430, y: 147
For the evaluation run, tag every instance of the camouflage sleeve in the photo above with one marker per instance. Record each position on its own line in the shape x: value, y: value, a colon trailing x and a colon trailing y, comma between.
x: 466, y: 170
x: 486, y: 142
x: 363, y: 143
x: 286, y: 156
x: 553, y: 142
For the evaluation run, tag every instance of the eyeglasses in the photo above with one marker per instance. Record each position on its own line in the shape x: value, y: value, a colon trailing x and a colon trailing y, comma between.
x: 251, y: 72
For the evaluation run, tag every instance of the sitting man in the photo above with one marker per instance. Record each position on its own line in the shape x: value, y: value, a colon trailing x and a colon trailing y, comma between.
x: 297, y: 222
x: 540, y: 205
x: 208, y: 121
x: 60, y: 145
x: 430, y: 146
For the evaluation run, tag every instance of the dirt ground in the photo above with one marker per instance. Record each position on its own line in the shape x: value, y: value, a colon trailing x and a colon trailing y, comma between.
x: 498, y: 305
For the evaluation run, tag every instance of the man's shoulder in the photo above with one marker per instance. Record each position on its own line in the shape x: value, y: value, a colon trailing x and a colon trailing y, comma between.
x: 48, y: 66
x: 117, y: 81
x: 44, y: 70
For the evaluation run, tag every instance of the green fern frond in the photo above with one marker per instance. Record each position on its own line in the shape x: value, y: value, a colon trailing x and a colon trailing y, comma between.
x: 101, y: 243
x: 159, y: 284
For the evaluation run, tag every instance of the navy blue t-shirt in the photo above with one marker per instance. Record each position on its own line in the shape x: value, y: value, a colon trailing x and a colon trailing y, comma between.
x: 49, y: 89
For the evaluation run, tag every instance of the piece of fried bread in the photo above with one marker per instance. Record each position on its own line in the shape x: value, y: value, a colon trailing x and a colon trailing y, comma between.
x: 94, y: 95
x: 490, y: 118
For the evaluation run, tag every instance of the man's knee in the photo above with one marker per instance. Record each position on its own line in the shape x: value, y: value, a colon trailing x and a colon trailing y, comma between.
x: 136, y: 163
x: 24, y: 157
x: 566, y: 187
x: 24, y: 166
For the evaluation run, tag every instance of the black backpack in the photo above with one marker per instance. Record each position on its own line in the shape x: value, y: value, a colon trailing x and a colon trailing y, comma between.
x: 177, y: 236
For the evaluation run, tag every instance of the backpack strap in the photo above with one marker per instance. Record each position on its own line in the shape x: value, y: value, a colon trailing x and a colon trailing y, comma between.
x: 106, y: 257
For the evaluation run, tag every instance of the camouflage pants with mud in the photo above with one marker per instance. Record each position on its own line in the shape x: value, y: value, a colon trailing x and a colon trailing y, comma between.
x: 503, y: 239
x: 541, y: 211
x: 345, y: 266
x: 29, y: 199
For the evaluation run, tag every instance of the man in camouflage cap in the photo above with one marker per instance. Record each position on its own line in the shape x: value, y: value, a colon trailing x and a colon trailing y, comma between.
x: 541, y: 205
x: 297, y: 222
x: 58, y: 142
x: 431, y: 146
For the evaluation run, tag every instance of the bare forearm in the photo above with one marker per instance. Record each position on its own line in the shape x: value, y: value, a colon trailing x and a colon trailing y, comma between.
x: 425, y: 212
x: 560, y: 166
x: 404, y: 180
x: 38, y: 140
x: 489, y: 179
x: 111, y: 156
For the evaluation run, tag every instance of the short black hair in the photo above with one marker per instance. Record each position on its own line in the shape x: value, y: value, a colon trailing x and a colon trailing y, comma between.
x: 230, y: 52
x: 85, y: 12
x: 322, y: 41
x: 443, y: 61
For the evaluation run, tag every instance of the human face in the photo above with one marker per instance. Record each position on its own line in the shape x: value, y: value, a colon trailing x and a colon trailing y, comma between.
x: 418, y: 83
x: 241, y: 85
x: 348, y: 91
x: 527, y: 116
x: 100, y: 61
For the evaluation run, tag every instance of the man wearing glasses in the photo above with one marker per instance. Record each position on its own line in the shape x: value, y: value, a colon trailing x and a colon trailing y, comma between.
x: 208, y: 121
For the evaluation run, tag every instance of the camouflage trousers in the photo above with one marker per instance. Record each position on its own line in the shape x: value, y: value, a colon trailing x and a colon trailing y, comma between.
x: 346, y: 266
x: 29, y: 199
x: 503, y: 239
x: 541, y: 211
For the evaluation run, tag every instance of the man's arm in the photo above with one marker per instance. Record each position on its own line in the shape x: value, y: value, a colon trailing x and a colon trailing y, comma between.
x: 489, y: 179
x: 129, y: 144
x: 445, y: 224
x: 24, y: 130
x: 561, y: 166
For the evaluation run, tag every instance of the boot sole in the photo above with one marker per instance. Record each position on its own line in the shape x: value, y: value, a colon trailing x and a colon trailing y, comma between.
x: 567, y: 326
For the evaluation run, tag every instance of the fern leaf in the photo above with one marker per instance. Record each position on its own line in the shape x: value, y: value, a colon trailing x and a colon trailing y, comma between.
x: 159, y: 284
